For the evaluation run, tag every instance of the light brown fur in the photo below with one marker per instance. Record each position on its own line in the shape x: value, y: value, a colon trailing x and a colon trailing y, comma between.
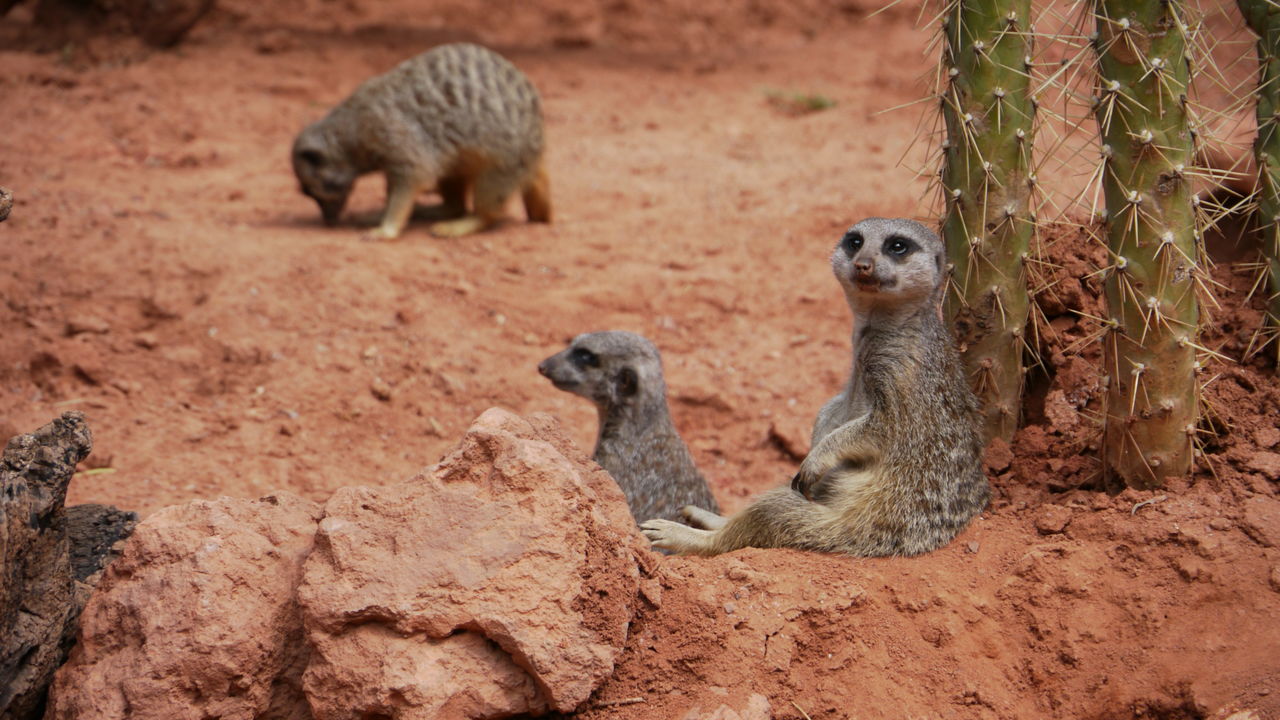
x: 895, y: 467
x: 458, y: 119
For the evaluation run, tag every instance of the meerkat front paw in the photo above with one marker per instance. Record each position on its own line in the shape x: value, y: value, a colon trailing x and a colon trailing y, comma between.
x: 808, y: 480
x: 703, y: 518
x: 670, y: 535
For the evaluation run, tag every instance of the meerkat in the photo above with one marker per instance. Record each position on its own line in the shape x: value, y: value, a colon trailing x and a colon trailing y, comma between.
x: 6, y: 203
x: 637, y: 443
x: 459, y: 119
x: 896, y: 464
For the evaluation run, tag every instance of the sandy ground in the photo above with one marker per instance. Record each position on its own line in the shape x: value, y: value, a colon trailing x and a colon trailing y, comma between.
x: 163, y: 274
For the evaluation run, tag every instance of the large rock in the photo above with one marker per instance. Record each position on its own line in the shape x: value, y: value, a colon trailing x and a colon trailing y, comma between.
x: 49, y: 558
x: 501, y: 581
x: 197, y: 618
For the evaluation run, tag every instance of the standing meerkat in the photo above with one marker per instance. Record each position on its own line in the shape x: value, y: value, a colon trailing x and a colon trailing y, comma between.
x: 896, y: 464
x: 637, y: 443
x: 457, y: 119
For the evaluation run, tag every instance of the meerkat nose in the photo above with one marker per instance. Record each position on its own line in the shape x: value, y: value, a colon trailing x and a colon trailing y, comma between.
x: 543, y: 369
x: 864, y: 265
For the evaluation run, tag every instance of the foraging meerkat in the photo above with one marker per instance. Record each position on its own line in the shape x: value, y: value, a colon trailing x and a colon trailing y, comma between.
x: 896, y: 464
x: 637, y: 443
x: 457, y: 118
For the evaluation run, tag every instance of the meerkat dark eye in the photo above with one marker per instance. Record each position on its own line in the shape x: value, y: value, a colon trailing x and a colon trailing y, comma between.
x: 584, y: 358
x: 852, y: 242
x: 898, y: 246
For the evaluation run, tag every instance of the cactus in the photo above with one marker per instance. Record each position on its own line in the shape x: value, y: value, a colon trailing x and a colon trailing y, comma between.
x: 987, y: 181
x: 1148, y: 145
x: 1263, y: 16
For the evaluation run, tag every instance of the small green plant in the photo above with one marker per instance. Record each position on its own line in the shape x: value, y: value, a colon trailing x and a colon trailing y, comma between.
x: 798, y: 103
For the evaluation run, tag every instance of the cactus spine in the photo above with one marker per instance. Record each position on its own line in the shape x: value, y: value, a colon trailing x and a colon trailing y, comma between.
x: 1263, y: 16
x: 1148, y: 147
x: 987, y: 181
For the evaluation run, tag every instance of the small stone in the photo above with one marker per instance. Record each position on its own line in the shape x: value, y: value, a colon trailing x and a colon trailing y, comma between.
x: 1267, y: 437
x: 1062, y: 415
x: 1261, y: 520
x: 1274, y: 580
x: 972, y: 547
x: 1053, y: 519
x: 87, y: 324
x: 128, y: 387
x: 729, y: 608
x: 381, y: 389
x: 1192, y: 569
x: 999, y: 456
x: 1267, y: 463
x: 789, y: 437
x: 146, y: 340
x: 1220, y: 523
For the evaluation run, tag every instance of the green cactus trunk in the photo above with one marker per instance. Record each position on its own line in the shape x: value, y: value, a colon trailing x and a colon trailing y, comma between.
x: 1148, y: 148
x: 987, y: 180
x: 1263, y: 16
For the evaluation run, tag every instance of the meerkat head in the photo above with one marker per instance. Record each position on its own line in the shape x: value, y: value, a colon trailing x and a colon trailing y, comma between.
x: 323, y: 174
x: 612, y: 369
x: 888, y: 262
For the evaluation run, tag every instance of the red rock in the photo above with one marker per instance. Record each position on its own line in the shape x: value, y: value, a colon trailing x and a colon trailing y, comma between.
x: 1053, y: 519
x: 1267, y: 437
x: 789, y: 436
x: 998, y: 456
x: 197, y: 618
x: 1261, y: 520
x: 501, y: 581
x: 1267, y: 463
x: 1062, y: 415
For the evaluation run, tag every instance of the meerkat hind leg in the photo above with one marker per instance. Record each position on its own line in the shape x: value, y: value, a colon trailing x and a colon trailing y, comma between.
x: 493, y: 186
x: 703, y: 518
x: 537, y: 195
x: 671, y: 535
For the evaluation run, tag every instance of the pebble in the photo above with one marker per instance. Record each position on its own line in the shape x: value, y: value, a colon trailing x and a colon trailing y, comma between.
x: 381, y: 389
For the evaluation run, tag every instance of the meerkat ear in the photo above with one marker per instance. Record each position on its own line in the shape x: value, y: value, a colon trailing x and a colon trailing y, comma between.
x: 627, y: 382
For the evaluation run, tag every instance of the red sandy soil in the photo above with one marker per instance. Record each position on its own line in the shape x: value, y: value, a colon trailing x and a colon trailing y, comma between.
x: 163, y: 274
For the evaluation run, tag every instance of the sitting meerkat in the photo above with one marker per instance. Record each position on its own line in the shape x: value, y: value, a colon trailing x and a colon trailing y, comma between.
x: 637, y: 443
x: 896, y: 464
x: 458, y: 118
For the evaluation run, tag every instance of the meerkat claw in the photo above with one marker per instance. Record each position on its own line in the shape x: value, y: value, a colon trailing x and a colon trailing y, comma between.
x: 671, y: 535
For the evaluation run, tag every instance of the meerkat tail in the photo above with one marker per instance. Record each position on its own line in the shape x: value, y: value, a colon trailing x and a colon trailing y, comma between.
x: 537, y: 195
